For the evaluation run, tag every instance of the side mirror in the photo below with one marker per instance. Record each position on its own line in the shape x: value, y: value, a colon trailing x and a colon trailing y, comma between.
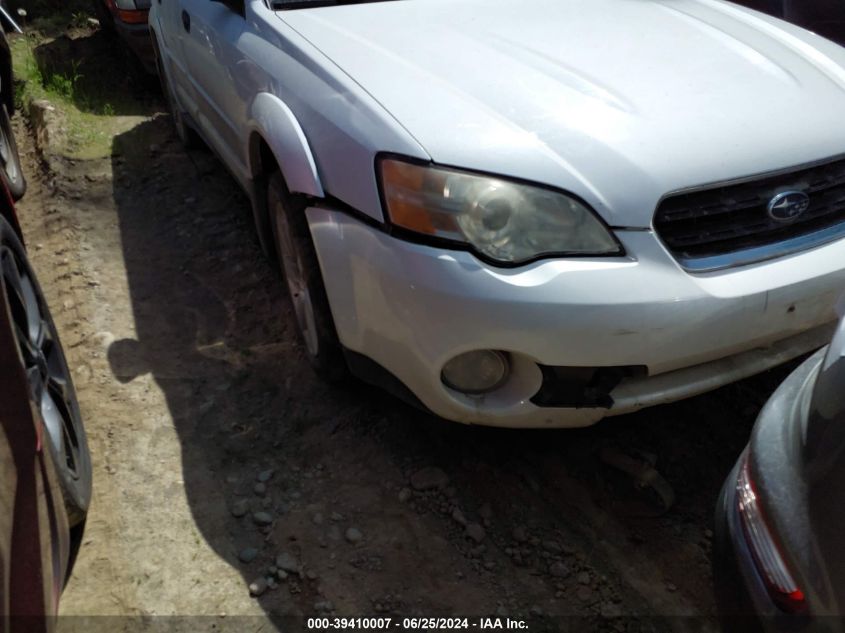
x: 235, y: 5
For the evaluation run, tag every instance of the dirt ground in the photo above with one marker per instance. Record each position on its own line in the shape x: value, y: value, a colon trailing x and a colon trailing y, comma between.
x: 219, y: 458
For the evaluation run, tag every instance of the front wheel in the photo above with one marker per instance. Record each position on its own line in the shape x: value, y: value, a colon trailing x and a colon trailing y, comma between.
x: 301, y: 271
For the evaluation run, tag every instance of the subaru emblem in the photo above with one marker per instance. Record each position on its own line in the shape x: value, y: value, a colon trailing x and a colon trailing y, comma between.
x: 788, y: 206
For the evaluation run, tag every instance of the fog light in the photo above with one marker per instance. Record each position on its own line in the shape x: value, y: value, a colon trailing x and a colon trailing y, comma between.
x: 476, y: 372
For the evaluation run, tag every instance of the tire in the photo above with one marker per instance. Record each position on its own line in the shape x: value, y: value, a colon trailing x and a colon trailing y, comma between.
x: 10, y: 161
x: 301, y: 272
x: 187, y: 135
x: 51, y: 389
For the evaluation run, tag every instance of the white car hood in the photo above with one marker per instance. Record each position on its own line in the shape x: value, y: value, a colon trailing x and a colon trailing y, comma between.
x: 619, y: 101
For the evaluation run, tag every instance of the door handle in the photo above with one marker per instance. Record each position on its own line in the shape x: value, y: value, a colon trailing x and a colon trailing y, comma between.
x: 186, y: 21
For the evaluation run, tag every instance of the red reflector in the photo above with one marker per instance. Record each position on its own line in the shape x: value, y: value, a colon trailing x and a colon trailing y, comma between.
x: 773, y: 569
x: 132, y: 17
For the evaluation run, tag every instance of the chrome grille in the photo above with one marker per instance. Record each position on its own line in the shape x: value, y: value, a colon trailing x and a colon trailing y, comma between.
x: 730, y: 225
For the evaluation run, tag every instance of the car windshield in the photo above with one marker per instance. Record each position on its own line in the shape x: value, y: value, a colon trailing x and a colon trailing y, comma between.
x: 287, y: 5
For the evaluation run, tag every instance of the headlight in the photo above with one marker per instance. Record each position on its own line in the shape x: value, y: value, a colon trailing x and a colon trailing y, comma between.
x: 506, y: 221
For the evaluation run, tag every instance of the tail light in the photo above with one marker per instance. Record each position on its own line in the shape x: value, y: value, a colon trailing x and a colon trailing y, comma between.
x: 130, y: 11
x: 770, y: 564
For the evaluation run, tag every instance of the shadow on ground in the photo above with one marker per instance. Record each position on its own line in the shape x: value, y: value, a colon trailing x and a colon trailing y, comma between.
x: 94, y: 70
x: 560, y: 534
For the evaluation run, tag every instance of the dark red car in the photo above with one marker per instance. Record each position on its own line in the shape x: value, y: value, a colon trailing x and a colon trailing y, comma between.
x: 128, y: 19
x: 45, y: 466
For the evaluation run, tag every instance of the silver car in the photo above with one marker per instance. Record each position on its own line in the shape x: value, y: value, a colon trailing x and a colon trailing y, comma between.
x: 534, y: 213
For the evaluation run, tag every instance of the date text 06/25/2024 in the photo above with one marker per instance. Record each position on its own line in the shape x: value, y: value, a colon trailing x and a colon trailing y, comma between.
x: 415, y: 624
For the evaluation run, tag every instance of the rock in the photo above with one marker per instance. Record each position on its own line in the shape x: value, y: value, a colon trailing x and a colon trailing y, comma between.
x: 486, y: 511
x: 502, y: 611
x: 560, y: 570
x: 317, y: 519
x: 489, y: 565
x: 334, y: 533
x: 708, y: 533
x: 536, y: 611
x: 354, y: 535
x: 271, y: 583
x: 336, y: 516
x: 262, y: 518
x: 520, y: 534
x: 584, y: 578
x: 260, y: 489
x: 552, y: 546
x: 584, y: 593
x: 322, y: 606
x: 287, y: 563
x: 405, y: 495
x: 281, y: 574
x: 257, y: 587
x: 671, y: 587
x: 239, y: 508
x: 248, y: 555
x: 265, y: 475
x: 458, y: 516
x: 475, y: 532
x: 429, y: 479
x: 311, y: 574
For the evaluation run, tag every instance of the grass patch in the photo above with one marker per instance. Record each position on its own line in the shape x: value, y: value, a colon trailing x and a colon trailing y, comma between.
x: 86, y: 75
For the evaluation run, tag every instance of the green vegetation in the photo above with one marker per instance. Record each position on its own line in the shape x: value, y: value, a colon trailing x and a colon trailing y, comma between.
x: 86, y: 74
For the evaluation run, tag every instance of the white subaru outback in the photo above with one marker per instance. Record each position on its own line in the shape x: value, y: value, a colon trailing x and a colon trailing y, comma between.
x: 529, y: 213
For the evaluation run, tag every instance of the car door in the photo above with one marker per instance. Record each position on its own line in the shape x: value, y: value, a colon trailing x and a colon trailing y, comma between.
x: 166, y: 20
x: 214, y: 63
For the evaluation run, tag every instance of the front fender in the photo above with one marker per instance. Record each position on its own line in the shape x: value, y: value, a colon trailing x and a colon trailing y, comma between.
x: 272, y: 120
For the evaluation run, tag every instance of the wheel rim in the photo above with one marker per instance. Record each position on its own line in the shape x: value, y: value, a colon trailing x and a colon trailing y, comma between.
x: 44, y: 363
x: 296, y: 278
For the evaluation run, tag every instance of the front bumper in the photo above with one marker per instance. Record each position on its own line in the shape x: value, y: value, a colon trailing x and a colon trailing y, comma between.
x: 411, y: 308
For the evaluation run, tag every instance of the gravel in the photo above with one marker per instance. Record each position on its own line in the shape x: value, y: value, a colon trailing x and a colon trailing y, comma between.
x: 354, y: 535
x: 475, y: 532
x: 560, y: 570
x: 257, y: 587
x: 287, y: 563
x: 247, y: 555
x: 265, y: 475
x: 262, y: 518
x: 430, y: 478
x: 239, y: 508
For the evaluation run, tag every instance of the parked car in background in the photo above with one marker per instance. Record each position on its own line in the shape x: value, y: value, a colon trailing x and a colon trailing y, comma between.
x: 128, y: 19
x: 511, y: 224
x: 11, y: 173
x: 45, y: 466
x: 825, y: 17
x: 780, y: 519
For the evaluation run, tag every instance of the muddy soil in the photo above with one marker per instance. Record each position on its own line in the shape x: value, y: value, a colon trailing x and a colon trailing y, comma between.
x: 220, y: 460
